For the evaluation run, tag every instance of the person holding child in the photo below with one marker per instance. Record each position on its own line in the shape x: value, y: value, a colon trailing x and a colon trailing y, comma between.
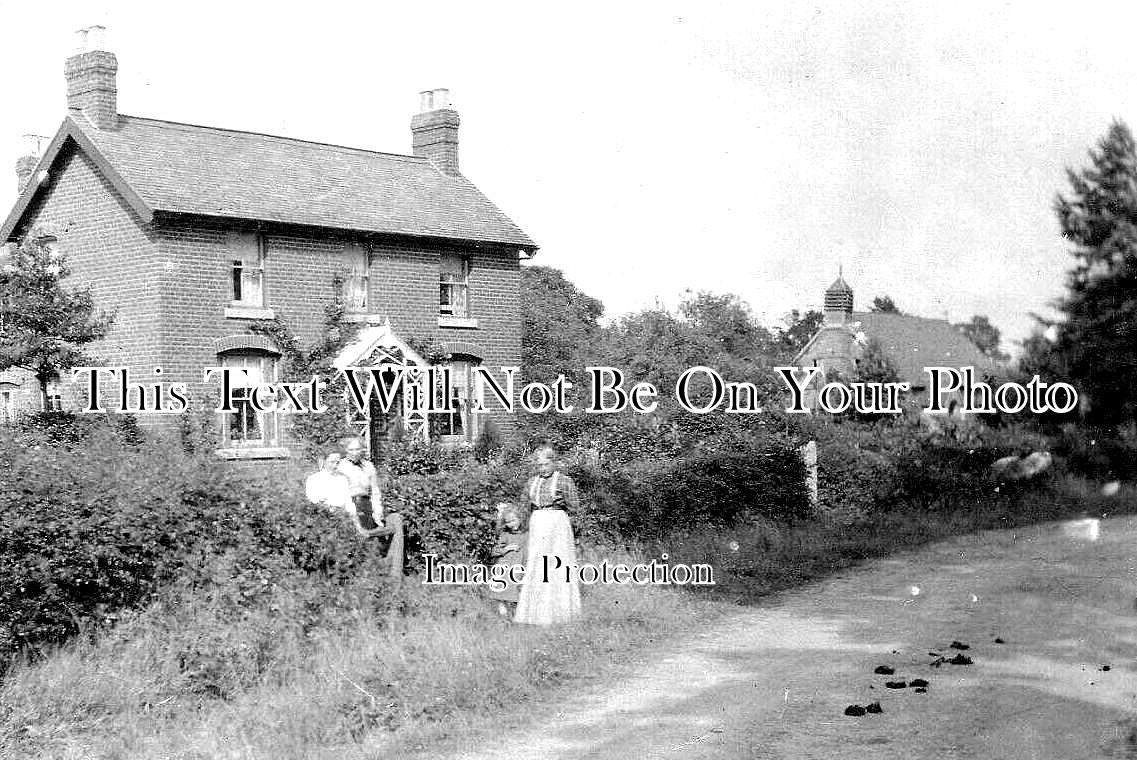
x: 550, y: 593
x: 508, y: 552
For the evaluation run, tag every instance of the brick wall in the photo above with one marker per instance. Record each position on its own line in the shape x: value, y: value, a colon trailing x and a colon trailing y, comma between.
x: 110, y: 250
x: 171, y: 282
x: 300, y: 266
x: 19, y: 394
x: 835, y: 349
x: 495, y: 301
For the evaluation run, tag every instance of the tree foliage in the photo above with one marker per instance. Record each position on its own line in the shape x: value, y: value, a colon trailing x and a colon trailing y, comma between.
x: 317, y: 433
x: 43, y: 324
x: 984, y: 335
x: 885, y: 304
x: 875, y: 366
x: 1097, y: 341
x: 725, y: 324
x: 559, y: 326
x: 799, y: 328
x: 719, y: 331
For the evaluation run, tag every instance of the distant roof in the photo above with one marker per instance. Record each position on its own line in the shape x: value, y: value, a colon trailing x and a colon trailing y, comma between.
x: 839, y: 285
x: 182, y: 168
x: 915, y: 342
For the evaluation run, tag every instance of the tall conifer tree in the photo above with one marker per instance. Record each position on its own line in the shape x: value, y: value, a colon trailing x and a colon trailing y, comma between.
x: 1096, y: 345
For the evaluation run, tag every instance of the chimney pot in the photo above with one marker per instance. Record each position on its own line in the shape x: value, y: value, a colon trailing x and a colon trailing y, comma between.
x: 91, y: 38
x: 434, y: 130
x: 25, y: 168
x: 26, y: 164
x: 33, y: 145
x: 91, y: 80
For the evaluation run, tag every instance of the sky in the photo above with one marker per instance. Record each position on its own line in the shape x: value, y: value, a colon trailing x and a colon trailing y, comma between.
x: 650, y: 148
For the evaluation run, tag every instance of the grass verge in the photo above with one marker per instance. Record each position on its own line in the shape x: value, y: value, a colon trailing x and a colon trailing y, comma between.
x: 188, y: 679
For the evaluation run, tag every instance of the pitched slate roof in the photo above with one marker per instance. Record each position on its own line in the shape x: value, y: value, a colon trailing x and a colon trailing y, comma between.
x: 915, y: 342
x: 182, y: 168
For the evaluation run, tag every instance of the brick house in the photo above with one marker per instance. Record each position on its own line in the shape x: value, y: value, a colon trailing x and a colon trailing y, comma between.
x: 192, y: 233
x: 910, y: 342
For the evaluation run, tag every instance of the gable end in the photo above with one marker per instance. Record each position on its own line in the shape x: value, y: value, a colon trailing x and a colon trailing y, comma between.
x: 68, y: 135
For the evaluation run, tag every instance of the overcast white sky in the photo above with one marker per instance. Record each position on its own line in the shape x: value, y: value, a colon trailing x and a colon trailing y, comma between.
x: 653, y: 147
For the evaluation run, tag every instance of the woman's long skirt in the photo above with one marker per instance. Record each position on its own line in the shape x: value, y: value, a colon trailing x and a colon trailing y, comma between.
x: 547, y: 595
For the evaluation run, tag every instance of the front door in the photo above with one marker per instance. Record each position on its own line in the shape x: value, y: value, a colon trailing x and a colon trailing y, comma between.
x: 384, y: 428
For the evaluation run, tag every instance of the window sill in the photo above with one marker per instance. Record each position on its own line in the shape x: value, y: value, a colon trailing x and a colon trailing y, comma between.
x: 452, y: 441
x: 361, y: 317
x: 468, y: 323
x: 248, y: 312
x: 261, y: 452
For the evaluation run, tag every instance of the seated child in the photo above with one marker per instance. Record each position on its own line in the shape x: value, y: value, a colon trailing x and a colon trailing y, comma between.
x: 508, y: 551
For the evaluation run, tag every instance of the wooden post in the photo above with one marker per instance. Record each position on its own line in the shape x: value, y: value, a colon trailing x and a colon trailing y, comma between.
x: 394, y: 523
x: 809, y: 458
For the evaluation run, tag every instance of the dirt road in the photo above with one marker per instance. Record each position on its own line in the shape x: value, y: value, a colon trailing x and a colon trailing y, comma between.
x: 773, y: 681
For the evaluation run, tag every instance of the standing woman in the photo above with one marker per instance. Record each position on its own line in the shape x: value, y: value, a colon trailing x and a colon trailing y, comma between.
x: 548, y: 594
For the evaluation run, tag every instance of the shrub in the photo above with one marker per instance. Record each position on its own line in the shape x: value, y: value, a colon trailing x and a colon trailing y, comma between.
x: 727, y: 487
x: 90, y: 531
x: 719, y: 484
x: 414, y: 457
x: 451, y: 514
x: 1097, y: 453
x: 489, y: 443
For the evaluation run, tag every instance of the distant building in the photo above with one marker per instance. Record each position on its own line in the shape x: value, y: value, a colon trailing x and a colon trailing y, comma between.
x: 911, y: 343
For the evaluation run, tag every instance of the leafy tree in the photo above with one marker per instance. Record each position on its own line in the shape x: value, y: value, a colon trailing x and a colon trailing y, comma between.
x: 559, y: 326
x: 984, y: 335
x: 885, y: 304
x: 654, y: 345
x: 44, y: 325
x: 726, y: 324
x: 718, y: 331
x: 1038, y: 357
x: 1097, y: 342
x: 875, y: 366
x: 797, y: 332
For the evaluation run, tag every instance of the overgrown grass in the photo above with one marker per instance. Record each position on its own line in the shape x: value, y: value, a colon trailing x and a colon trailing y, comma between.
x: 764, y: 557
x: 308, y: 658
x: 436, y: 662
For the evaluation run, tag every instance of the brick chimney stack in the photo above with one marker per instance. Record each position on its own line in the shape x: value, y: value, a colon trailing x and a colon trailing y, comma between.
x: 91, y: 86
x: 27, y: 163
x: 434, y: 131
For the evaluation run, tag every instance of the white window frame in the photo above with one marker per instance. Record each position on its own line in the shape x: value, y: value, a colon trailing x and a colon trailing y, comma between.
x: 357, y: 282
x: 461, y: 425
x: 262, y: 368
x: 247, y: 270
x: 453, y: 285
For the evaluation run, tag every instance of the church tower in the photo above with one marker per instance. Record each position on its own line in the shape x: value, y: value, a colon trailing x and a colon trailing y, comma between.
x: 838, y: 302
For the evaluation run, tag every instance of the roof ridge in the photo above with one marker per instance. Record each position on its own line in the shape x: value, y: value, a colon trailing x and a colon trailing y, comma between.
x: 894, y: 315
x: 416, y: 159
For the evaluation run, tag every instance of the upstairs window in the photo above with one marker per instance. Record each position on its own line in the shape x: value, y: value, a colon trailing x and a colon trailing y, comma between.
x: 453, y: 286
x: 356, y: 284
x: 247, y: 269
